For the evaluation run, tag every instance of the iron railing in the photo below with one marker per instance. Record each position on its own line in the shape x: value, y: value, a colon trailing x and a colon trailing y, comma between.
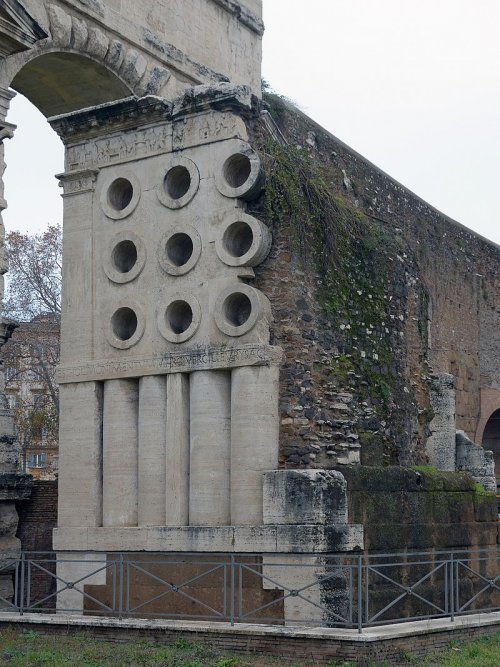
x: 353, y: 591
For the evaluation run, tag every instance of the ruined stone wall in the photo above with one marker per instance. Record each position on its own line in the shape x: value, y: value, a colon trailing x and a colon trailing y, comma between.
x: 420, y: 509
x: 417, y: 295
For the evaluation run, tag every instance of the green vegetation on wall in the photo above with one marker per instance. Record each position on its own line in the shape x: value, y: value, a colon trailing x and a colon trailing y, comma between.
x: 354, y: 257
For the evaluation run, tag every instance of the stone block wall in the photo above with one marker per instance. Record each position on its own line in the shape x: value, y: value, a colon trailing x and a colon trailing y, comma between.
x: 403, y: 509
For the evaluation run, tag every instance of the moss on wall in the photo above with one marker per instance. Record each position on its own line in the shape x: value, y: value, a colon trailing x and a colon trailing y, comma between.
x: 360, y: 285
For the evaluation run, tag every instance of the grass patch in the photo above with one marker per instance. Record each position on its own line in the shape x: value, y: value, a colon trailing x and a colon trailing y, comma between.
x: 484, y: 652
x: 31, y: 649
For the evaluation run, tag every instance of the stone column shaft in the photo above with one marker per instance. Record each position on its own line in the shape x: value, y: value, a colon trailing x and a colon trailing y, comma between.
x: 254, y: 439
x: 177, y: 459
x: 120, y: 453
x: 80, y: 454
x: 151, y: 458
x: 210, y: 448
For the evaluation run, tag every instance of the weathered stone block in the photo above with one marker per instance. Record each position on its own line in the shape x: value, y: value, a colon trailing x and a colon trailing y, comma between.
x: 476, y: 461
x: 305, y: 497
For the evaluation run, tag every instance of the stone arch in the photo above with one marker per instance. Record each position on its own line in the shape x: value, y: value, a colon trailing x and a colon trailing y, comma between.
x: 59, y: 82
x: 491, y: 437
x: 490, y: 403
x: 81, y: 64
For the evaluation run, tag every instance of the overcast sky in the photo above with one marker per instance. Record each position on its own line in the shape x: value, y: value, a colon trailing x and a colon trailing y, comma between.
x: 412, y: 86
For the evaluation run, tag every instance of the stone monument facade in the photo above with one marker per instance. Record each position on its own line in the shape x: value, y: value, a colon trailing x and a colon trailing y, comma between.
x: 180, y: 316
x: 169, y: 386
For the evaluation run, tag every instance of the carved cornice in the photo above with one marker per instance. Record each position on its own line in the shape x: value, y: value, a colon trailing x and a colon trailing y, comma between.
x: 78, y: 182
x: 221, y: 97
x: 243, y: 14
x: 135, y: 112
x: 125, y: 114
x: 6, y: 130
x: 19, y: 31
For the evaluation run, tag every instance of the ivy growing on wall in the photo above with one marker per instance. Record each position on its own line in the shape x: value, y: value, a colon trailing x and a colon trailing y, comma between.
x: 354, y: 258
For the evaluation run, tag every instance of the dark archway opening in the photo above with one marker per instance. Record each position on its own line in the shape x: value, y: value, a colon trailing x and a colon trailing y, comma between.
x: 57, y: 83
x: 491, y: 439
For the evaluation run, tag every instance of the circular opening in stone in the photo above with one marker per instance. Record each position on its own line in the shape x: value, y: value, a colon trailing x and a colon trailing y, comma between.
x: 237, y: 169
x: 179, y: 249
x: 179, y: 316
x: 120, y: 194
x: 237, y: 308
x: 238, y: 239
x: 124, y: 323
x: 124, y: 256
x: 177, y: 182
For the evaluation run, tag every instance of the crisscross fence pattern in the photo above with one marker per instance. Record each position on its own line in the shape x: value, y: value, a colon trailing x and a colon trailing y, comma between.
x: 353, y: 591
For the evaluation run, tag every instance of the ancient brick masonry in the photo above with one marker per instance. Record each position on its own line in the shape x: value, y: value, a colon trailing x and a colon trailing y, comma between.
x: 437, y: 311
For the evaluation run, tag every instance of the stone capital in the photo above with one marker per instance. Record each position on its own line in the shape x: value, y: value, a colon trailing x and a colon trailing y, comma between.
x: 6, y: 130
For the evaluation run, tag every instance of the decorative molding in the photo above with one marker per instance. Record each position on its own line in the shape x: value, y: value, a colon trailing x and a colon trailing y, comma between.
x: 125, y: 114
x: 97, y: 6
x: 243, y: 14
x: 78, y: 182
x: 195, y: 359
x: 119, y: 148
x: 19, y: 31
x: 134, y: 112
x: 6, y: 130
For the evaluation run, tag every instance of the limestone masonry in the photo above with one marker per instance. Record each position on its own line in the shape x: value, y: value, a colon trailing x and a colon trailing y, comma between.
x: 258, y: 326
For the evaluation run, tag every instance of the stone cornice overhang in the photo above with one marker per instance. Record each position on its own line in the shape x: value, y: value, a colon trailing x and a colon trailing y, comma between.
x: 20, y: 31
x: 134, y: 112
x: 243, y: 14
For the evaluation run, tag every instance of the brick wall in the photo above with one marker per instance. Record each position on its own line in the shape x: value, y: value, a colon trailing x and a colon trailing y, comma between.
x: 37, y: 519
x: 438, y: 312
x: 361, y: 652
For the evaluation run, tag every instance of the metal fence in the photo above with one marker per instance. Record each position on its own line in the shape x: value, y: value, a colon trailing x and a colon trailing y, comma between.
x: 353, y: 591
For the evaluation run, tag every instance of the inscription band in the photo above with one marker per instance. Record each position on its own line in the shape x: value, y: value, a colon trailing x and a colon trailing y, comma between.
x: 213, y: 358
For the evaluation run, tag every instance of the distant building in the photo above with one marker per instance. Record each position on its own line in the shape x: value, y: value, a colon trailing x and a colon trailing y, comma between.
x: 30, y: 359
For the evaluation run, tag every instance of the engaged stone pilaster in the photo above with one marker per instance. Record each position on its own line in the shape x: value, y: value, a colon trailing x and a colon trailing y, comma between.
x: 210, y: 447
x: 152, y: 451
x: 177, y: 453
x: 80, y: 455
x: 254, y: 439
x: 119, y: 451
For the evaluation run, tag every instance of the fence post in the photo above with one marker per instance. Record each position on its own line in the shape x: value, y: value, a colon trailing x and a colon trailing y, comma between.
x: 360, y: 594
x: 21, y: 602
x: 120, y: 589
x: 452, y: 588
x: 232, y: 590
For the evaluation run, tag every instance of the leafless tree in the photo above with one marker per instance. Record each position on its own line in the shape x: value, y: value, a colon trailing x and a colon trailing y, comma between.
x: 31, y: 356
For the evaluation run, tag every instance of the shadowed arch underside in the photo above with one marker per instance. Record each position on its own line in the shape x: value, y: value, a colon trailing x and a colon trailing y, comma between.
x: 57, y: 83
x: 491, y: 438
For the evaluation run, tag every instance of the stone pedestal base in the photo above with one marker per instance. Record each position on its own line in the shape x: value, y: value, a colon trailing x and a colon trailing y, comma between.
x: 278, y: 558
